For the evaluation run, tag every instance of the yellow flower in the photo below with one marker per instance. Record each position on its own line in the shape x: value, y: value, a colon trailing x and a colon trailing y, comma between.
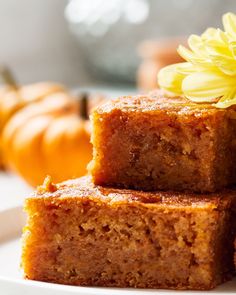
x: 209, y: 73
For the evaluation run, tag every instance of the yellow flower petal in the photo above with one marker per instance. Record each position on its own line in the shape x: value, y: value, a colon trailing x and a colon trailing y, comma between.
x: 227, y: 100
x: 170, y: 79
x: 209, y: 33
x: 207, y: 86
x: 225, y: 104
x: 214, y: 46
x: 191, y: 57
x: 221, y: 56
x: 214, y: 34
x: 232, y: 47
x: 186, y: 68
x: 222, y: 36
x: 186, y: 53
x: 196, y: 44
x: 225, y: 63
x: 229, y: 23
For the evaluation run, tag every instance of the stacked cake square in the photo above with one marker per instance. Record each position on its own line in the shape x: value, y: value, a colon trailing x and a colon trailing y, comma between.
x: 158, y: 208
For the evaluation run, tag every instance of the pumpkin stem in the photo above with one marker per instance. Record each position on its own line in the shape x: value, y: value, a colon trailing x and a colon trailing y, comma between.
x: 8, y: 78
x: 84, y: 106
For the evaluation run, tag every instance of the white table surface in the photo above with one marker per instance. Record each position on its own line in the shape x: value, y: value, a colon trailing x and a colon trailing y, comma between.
x: 13, y: 191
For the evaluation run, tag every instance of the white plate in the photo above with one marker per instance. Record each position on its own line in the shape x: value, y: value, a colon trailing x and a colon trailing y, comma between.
x: 12, y: 283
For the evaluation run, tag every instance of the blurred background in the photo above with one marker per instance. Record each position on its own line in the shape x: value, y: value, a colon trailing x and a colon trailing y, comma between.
x: 84, y: 52
x: 90, y: 42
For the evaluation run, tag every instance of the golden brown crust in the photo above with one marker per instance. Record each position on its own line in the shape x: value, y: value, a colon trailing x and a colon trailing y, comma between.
x: 84, y: 187
x: 155, y: 101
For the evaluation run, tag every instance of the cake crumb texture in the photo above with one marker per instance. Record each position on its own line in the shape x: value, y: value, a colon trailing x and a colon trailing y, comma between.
x: 86, y: 235
x: 157, y: 142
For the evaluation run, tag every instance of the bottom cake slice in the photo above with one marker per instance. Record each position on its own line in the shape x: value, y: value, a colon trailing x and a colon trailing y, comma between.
x: 81, y: 234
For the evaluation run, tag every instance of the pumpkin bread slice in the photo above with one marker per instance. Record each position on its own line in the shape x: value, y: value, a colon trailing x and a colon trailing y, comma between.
x: 81, y: 234
x: 158, y: 142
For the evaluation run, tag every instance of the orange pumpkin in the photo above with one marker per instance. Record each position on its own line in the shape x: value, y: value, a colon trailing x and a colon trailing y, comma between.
x: 48, y: 137
x: 13, y: 99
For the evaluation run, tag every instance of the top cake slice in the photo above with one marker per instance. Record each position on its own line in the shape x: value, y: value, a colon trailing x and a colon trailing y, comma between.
x: 153, y: 142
